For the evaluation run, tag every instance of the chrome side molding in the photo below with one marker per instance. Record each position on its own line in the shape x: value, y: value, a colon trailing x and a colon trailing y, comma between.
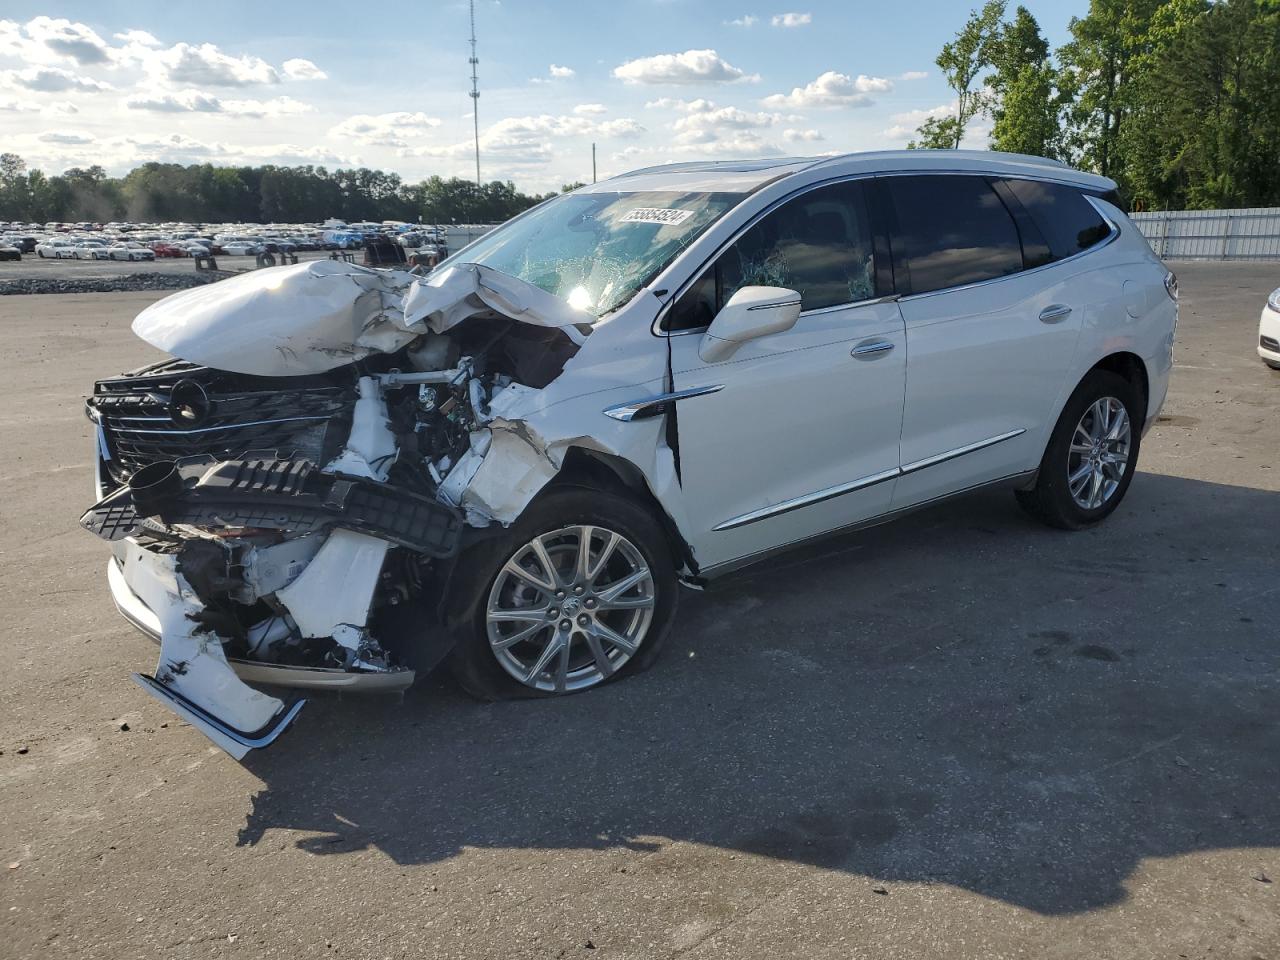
x: 959, y: 452
x: 828, y: 493
x: 809, y: 499
x: 652, y: 406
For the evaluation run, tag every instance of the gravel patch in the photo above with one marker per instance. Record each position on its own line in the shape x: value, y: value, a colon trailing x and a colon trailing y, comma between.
x: 125, y: 283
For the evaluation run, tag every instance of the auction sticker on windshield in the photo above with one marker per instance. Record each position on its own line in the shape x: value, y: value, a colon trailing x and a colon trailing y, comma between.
x: 657, y: 215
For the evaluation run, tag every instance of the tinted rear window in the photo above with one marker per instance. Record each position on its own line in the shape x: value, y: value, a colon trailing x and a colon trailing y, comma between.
x: 951, y: 230
x: 1067, y: 220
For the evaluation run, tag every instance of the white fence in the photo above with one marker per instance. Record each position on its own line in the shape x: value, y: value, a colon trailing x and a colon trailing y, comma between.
x: 1247, y: 234
x: 460, y: 234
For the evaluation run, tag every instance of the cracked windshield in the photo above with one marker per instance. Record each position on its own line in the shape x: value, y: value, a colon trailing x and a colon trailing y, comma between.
x: 595, y: 250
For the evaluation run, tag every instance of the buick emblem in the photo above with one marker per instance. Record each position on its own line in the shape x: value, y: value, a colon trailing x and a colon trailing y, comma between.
x: 189, y: 405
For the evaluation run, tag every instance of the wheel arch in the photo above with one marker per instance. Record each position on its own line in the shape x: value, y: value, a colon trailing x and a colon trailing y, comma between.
x: 596, y: 469
x: 1133, y: 369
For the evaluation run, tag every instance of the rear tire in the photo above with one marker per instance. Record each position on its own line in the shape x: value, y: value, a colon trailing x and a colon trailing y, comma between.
x: 1092, y: 454
x: 608, y: 637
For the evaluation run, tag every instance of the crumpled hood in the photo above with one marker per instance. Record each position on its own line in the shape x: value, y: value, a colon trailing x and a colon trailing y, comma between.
x: 315, y: 316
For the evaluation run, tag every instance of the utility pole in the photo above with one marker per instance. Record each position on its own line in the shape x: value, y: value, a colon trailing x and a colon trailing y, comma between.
x: 475, y: 91
x: 593, y: 163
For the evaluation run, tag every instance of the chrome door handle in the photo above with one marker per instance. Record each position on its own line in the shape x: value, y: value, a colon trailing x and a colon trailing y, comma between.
x: 1054, y: 312
x: 872, y: 348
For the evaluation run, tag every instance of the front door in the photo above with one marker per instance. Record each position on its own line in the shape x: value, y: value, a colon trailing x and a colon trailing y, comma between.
x: 802, y: 435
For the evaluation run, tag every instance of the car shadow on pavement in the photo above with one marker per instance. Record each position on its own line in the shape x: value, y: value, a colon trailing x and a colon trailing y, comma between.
x: 962, y: 697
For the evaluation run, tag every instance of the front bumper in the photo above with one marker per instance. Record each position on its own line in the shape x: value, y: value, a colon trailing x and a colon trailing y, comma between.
x: 131, y: 607
x: 1269, y: 335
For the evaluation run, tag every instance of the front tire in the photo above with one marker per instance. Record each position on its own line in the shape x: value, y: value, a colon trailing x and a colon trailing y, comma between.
x: 580, y: 591
x: 1092, y: 454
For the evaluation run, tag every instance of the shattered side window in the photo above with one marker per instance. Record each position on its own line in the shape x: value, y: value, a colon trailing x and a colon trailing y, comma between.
x: 818, y: 244
x: 595, y: 250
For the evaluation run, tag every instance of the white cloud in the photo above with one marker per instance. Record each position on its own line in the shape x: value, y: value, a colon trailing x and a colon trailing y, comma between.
x: 50, y: 80
x: 710, y: 117
x: 590, y: 109
x: 196, y: 101
x: 19, y: 106
x: 67, y: 137
x: 746, y: 20
x: 905, y: 125
x: 139, y: 37
x: 623, y: 128
x: 690, y: 67
x: 385, y: 129
x: 74, y: 41
x: 832, y: 89
x: 207, y: 66
x: 914, y: 75
x: 300, y: 69
x: 184, y: 101
x: 801, y: 136
x: 558, y: 72
x: 742, y: 144
x: 524, y: 144
x: 789, y: 20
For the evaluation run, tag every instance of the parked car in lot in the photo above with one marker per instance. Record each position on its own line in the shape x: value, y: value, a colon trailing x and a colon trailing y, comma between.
x: 9, y: 251
x: 131, y: 250
x: 58, y: 248
x: 25, y: 243
x: 1269, y: 331
x: 91, y: 250
x: 511, y: 463
x: 165, y: 248
x: 241, y: 248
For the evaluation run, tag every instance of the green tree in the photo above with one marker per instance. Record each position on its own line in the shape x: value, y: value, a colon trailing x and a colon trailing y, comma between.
x: 961, y: 60
x: 1097, y: 76
x: 1205, y: 119
x: 937, y: 133
x: 1021, y: 90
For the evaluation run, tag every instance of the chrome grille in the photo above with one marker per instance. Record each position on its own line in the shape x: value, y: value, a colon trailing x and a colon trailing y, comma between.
x: 176, y: 409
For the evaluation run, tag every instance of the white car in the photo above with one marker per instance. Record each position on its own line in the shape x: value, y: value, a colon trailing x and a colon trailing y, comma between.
x: 91, y: 250
x: 241, y: 248
x: 1269, y: 331
x: 131, y: 250
x: 57, y: 248
x: 512, y: 463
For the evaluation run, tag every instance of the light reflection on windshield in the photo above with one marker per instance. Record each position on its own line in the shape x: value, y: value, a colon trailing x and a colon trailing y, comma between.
x: 595, y: 250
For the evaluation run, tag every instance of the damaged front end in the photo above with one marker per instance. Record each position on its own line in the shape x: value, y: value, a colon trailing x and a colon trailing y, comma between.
x: 285, y: 496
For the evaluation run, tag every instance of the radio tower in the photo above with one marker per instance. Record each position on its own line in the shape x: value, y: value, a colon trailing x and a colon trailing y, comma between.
x: 475, y: 91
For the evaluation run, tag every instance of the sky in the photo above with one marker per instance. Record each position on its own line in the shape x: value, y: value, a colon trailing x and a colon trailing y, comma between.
x: 386, y: 85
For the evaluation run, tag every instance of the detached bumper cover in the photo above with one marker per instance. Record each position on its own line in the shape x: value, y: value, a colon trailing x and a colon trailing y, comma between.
x: 193, y: 676
x: 287, y: 495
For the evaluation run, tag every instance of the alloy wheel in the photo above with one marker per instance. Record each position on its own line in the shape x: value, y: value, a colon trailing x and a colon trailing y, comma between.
x: 570, y: 608
x: 1099, y: 453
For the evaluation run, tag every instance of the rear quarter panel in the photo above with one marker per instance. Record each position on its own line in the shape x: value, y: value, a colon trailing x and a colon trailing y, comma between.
x: 1129, y: 311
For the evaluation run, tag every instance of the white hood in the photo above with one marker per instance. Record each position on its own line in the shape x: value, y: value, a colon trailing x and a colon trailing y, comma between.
x: 322, y: 314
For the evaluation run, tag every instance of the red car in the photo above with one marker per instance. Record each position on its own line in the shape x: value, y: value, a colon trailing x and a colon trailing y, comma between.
x: 162, y: 248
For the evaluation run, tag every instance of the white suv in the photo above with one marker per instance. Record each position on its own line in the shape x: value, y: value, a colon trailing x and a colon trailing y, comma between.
x: 349, y: 475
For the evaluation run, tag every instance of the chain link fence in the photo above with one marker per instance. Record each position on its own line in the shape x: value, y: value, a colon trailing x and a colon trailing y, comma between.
x: 1246, y: 234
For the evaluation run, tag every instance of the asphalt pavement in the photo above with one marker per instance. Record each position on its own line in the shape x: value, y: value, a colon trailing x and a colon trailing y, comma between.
x: 959, y: 735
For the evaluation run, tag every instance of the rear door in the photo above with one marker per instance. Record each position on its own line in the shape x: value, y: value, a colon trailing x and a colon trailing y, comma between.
x: 989, y: 337
x: 801, y: 434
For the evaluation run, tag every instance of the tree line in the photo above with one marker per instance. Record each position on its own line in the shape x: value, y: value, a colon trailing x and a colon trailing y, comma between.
x: 1178, y: 101
x: 203, y: 193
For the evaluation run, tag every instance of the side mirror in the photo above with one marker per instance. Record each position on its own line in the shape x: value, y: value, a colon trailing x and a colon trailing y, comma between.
x: 751, y: 312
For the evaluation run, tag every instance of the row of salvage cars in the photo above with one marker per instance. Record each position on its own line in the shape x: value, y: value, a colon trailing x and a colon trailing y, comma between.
x: 344, y: 477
